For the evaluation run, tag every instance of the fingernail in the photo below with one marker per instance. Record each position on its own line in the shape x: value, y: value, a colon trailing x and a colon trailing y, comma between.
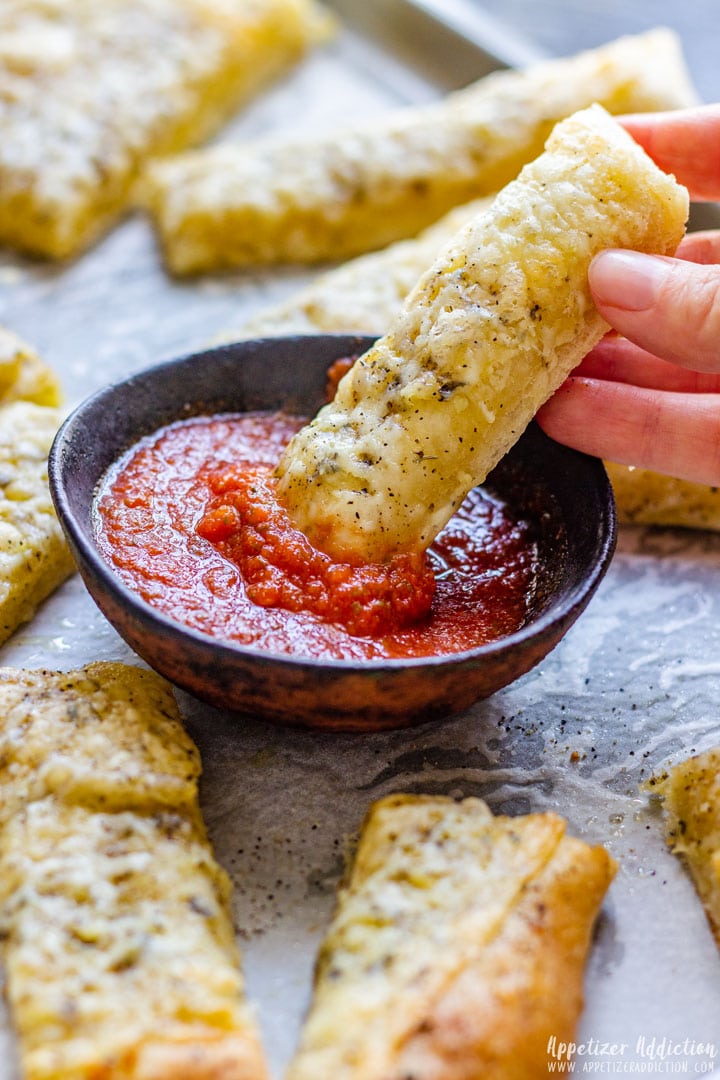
x: 627, y: 279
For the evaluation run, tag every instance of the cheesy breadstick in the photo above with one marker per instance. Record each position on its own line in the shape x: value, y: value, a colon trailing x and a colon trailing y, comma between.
x: 457, y: 948
x: 89, y: 89
x: 364, y: 295
x: 34, y: 557
x: 488, y: 333
x: 691, y: 800
x: 644, y: 497
x: 362, y: 187
x: 115, y: 926
x: 360, y: 296
x: 24, y: 376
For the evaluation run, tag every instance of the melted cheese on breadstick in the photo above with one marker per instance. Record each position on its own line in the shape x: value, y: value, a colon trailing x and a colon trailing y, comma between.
x: 490, y: 331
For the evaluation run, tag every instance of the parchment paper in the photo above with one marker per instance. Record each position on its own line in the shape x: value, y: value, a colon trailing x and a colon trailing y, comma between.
x: 635, y: 683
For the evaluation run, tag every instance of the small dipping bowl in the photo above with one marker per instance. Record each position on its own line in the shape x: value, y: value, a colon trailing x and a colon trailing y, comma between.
x: 291, y: 373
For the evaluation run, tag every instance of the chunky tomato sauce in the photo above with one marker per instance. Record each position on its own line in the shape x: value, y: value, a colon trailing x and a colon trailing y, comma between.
x: 281, y: 568
x: 190, y: 521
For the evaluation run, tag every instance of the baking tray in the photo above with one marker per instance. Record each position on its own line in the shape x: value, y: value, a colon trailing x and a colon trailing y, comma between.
x: 634, y: 683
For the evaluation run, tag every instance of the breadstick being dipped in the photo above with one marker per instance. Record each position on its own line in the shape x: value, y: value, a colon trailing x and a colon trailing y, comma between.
x: 365, y: 294
x: 486, y: 336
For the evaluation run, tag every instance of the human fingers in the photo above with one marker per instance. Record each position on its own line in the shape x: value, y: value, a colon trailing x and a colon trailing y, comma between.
x: 700, y: 247
x: 615, y: 359
x: 685, y: 142
x: 675, y: 434
x: 668, y: 306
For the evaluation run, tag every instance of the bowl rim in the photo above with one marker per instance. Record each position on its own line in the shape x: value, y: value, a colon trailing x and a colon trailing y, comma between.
x: 539, y: 626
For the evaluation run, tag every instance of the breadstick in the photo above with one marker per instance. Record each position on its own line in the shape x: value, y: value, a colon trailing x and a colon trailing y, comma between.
x: 484, y: 338
x: 90, y: 88
x: 34, y: 558
x: 24, y: 376
x: 360, y: 188
x: 644, y: 497
x: 457, y: 948
x: 114, y: 916
x: 365, y: 294
x: 691, y: 798
x: 361, y: 296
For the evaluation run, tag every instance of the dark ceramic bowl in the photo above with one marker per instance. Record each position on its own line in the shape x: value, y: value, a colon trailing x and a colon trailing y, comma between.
x: 344, y: 695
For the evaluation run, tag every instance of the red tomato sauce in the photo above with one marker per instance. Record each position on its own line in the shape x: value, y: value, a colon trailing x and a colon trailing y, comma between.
x: 281, y: 568
x: 190, y: 520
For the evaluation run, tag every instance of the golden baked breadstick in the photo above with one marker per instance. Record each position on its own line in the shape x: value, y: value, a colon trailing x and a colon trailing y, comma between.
x: 89, y: 89
x: 691, y: 799
x: 34, y: 558
x: 365, y: 294
x: 488, y: 333
x: 360, y: 188
x: 458, y: 946
x: 114, y: 917
x: 23, y: 375
x: 644, y: 497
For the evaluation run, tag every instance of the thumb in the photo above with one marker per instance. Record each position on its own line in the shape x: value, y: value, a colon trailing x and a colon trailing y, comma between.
x: 669, y: 307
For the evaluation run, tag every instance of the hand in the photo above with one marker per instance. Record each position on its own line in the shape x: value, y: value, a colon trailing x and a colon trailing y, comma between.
x: 651, y: 397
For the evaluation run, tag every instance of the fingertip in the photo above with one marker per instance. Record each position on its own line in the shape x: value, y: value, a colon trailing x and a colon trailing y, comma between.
x: 702, y: 246
x: 667, y: 306
x: 627, y: 280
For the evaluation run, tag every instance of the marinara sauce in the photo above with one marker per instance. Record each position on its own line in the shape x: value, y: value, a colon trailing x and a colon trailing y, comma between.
x: 190, y: 520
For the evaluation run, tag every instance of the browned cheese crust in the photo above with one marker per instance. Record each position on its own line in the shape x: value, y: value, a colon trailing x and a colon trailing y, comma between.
x: 24, y: 376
